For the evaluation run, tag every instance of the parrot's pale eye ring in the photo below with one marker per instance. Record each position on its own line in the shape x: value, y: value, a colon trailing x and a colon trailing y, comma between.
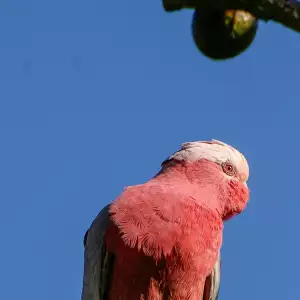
x: 228, y: 168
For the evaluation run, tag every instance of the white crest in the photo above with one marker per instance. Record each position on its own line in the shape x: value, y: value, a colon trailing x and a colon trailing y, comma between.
x: 215, y: 151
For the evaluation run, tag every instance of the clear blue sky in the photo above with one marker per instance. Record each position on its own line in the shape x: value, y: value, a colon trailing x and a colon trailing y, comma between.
x: 93, y: 96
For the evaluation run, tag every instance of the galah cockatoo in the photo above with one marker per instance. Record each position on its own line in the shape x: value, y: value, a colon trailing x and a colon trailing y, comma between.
x: 161, y: 240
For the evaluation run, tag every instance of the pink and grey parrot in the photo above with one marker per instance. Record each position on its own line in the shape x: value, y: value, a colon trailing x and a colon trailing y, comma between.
x: 161, y: 240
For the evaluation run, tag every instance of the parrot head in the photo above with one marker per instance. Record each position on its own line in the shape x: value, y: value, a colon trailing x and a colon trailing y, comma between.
x: 212, y: 165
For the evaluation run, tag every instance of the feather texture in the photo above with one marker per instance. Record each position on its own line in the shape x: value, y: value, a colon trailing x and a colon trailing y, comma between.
x: 161, y: 240
x: 212, y: 283
x: 99, y: 264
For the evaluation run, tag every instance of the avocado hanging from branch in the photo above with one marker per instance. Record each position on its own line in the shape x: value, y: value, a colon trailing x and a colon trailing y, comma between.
x: 223, y: 29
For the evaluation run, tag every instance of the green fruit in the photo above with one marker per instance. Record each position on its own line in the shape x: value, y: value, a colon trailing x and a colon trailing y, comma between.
x: 223, y: 34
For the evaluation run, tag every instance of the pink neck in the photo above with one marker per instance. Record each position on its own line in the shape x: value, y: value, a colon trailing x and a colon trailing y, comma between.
x: 207, y: 184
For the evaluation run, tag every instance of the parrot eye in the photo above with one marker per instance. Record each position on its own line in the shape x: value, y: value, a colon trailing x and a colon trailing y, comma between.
x: 229, y: 169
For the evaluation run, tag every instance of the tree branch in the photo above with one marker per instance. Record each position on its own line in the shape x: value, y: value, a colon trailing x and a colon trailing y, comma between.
x: 284, y: 12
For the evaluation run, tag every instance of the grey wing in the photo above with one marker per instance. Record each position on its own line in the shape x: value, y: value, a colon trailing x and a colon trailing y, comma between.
x: 98, y: 262
x: 212, y: 283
